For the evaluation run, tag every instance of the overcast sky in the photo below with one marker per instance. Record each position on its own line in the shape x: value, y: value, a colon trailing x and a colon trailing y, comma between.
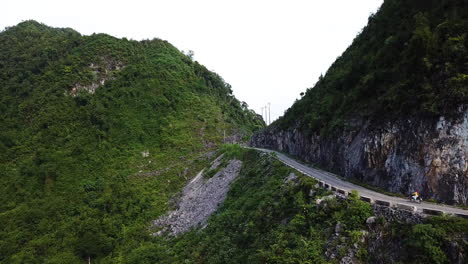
x: 269, y: 51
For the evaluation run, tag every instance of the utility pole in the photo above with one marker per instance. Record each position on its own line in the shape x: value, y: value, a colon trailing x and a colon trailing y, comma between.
x: 269, y: 114
x: 262, y: 112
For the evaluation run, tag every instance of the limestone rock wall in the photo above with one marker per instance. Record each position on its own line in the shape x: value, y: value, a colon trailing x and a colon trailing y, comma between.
x: 428, y: 154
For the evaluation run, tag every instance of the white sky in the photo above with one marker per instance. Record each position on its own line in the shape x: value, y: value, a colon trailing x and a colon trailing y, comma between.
x: 269, y: 51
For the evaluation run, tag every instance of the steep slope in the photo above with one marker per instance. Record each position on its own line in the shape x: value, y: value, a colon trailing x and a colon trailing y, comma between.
x: 274, y: 214
x: 97, y: 134
x: 392, y: 111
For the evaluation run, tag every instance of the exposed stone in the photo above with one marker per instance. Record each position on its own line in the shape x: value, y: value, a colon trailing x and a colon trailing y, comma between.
x: 371, y: 220
x: 428, y: 154
x: 338, y: 228
x: 292, y: 178
x: 325, y: 198
x: 385, y: 247
x: 312, y: 192
x: 102, y: 71
x: 145, y: 154
x: 456, y: 251
x: 334, y: 247
x: 396, y: 215
x: 199, y: 199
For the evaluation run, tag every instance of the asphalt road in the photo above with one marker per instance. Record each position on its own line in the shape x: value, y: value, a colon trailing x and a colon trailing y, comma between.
x: 335, y: 181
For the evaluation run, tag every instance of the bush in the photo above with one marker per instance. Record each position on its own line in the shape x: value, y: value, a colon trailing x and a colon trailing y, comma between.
x: 232, y: 151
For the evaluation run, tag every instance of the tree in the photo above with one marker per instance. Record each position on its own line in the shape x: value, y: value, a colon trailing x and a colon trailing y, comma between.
x: 190, y: 54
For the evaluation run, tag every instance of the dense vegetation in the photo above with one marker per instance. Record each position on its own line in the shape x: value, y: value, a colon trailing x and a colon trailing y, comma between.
x: 270, y: 217
x: 411, y: 58
x: 97, y: 133
x: 439, y: 239
x: 265, y: 219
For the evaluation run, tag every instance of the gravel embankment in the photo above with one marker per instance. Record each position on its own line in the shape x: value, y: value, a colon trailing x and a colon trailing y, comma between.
x: 199, y: 199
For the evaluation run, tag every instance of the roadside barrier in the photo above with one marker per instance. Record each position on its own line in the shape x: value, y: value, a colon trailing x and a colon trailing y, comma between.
x: 406, y: 207
x: 366, y: 199
x: 462, y: 216
x: 342, y: 192
x: 432, y: 212
x: 383, y: 203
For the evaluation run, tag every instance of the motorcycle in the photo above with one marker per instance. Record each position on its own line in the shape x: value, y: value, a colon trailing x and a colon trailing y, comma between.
x: 415, y: 200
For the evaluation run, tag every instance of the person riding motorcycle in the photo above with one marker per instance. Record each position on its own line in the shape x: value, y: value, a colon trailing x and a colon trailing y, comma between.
x: 415, y: 195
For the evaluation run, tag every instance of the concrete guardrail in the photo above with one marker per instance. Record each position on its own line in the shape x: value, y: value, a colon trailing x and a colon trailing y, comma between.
x: 366, y: 199
x: 342, y: 192
x: 406, y: 207
x: 383, y: 203
x: 432, y: 212
x: 462, y: 216
x: 378, y: 202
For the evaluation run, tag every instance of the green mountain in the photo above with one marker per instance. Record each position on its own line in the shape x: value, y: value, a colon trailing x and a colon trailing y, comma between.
x: 97, y: 133
x: 409, y: 59
x: 392, y: 110
x: 100, y: 135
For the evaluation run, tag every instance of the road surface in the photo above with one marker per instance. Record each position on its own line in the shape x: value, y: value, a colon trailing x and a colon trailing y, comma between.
x: 334, y: 181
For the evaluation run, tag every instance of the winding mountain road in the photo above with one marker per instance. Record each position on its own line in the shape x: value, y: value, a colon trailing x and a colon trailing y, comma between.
x: 332, y: 181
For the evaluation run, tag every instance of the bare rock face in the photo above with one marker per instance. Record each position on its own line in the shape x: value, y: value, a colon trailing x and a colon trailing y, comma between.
x: 102, y: 71
x: 395, y: 215
x: 199, y: 199
x: 425, y: 154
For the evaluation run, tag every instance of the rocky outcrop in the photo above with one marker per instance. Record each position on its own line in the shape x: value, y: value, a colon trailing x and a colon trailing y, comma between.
x: 101, y: 72
x: 396, y: 215
x: 428, y: 154
x: 385, y: 246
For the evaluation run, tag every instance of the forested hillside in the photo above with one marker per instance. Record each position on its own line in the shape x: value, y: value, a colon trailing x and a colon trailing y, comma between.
x: 411, y: 58
x: 97, y: 133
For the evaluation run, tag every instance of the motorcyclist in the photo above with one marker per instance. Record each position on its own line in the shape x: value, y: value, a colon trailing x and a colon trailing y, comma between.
x: 415, y: 195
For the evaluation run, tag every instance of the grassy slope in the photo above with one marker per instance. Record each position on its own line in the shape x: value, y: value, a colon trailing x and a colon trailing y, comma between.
x: 70, y: 165
x: 409, y: 59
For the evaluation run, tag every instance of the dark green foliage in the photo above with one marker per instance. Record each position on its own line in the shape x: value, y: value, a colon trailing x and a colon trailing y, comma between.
x: 210, y: 173
x: 229, y: 152
x: 438, y: 240
x: 232, y: 151
x: 268, y: 219
x: 409, y: 59
x: 73, y: 180
x: 263, y: 220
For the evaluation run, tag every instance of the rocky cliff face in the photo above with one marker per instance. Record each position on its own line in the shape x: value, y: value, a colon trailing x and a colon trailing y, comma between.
x: 429, y: 154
